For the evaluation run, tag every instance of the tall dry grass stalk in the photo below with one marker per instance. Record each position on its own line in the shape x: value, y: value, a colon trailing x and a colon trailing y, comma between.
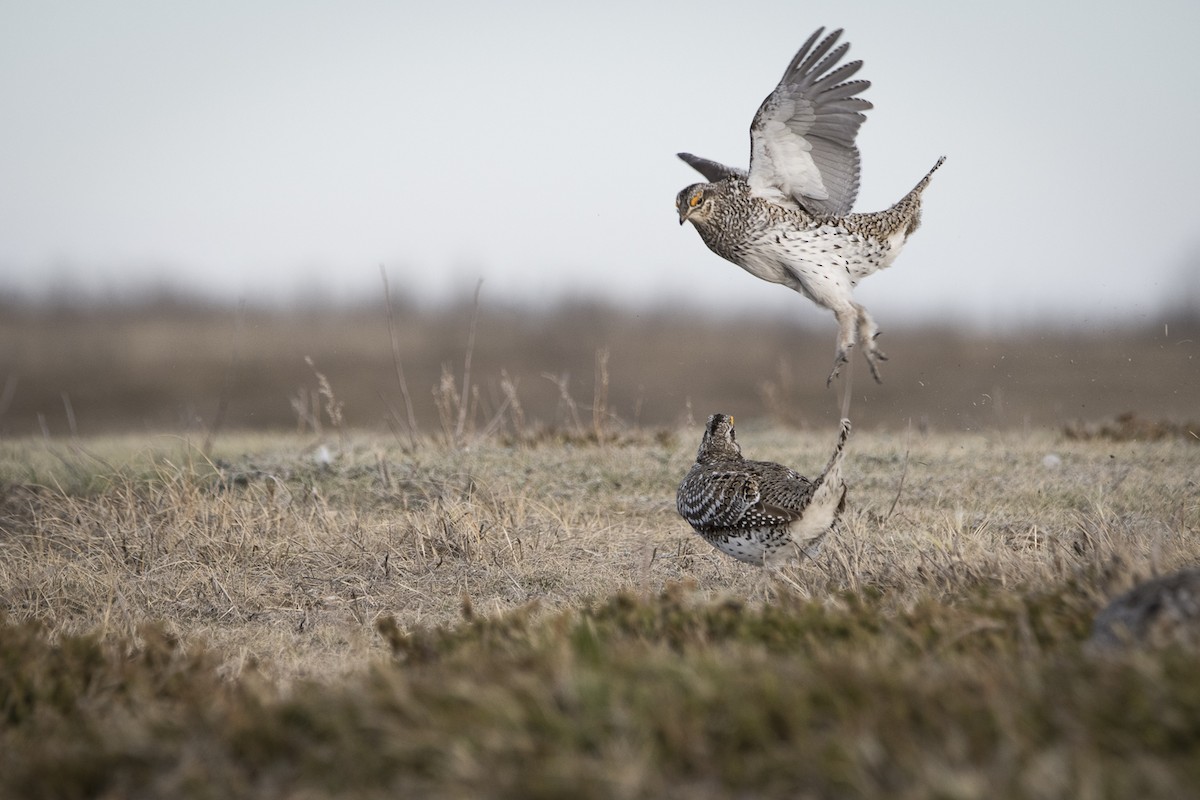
x: 460, y: 425
x: 410, y: 418
x: 228, y: 384
x: 459, y: 408
x: 600, y: 411
x: 568, y: 410
x: 333, y: 407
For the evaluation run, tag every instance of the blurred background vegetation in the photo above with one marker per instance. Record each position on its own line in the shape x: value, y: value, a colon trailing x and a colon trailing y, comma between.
x: 170, y: 362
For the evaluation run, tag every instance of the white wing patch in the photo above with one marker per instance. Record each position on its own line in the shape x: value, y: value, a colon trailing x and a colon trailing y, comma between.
x: 788, y: 169
x: 802, y: 150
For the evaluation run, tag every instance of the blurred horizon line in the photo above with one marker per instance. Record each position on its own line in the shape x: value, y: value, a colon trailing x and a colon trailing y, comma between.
x: 149, y: 296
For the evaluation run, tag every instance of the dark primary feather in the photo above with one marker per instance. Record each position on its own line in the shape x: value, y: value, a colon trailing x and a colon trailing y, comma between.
x: 807, y: 56
x: 711, y: 170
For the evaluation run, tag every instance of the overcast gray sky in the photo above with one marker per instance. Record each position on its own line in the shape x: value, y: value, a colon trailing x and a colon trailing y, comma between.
x: 274, y: 149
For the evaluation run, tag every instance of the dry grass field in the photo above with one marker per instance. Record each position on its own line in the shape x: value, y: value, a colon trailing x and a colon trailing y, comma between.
x: 498, y: 598
x: 281, y: 620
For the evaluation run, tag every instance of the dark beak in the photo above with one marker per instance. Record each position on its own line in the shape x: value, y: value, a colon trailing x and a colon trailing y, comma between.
x: 684, y: 211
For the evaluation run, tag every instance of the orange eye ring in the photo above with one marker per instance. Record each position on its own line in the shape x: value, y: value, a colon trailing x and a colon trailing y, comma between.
x: 694, y: 200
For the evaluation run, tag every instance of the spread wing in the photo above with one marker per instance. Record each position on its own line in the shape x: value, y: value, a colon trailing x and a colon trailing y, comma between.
x: 783, y: 492
x: 802, y: 139
x: 719, y: 500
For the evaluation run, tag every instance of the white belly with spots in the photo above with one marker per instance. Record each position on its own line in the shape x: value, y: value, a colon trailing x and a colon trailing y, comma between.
x: 769, y: 547
x: 824, y: 264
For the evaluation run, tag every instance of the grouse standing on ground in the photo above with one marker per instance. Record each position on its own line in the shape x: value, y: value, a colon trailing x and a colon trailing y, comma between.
x: 757, y: 511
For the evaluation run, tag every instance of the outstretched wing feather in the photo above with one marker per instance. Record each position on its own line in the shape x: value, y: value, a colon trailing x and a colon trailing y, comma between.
x: 802, y: 138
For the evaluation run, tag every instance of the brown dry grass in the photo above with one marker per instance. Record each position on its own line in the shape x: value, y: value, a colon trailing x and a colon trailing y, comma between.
x: 274, y: 554
x: 495, y: 597
x: 348, y: 616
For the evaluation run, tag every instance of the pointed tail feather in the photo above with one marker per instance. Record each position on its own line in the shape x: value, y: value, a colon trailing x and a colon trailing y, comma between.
x: 833, y: 470
x: 910, y: 204
x: 920, y: 187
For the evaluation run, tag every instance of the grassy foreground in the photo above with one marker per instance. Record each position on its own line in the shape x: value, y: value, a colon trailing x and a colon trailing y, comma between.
x: 290, y: 618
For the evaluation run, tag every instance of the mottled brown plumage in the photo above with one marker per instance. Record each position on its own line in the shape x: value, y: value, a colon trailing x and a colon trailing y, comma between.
x: 787, y: 219
x: 758, y: 511
x: 1157, y: 612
